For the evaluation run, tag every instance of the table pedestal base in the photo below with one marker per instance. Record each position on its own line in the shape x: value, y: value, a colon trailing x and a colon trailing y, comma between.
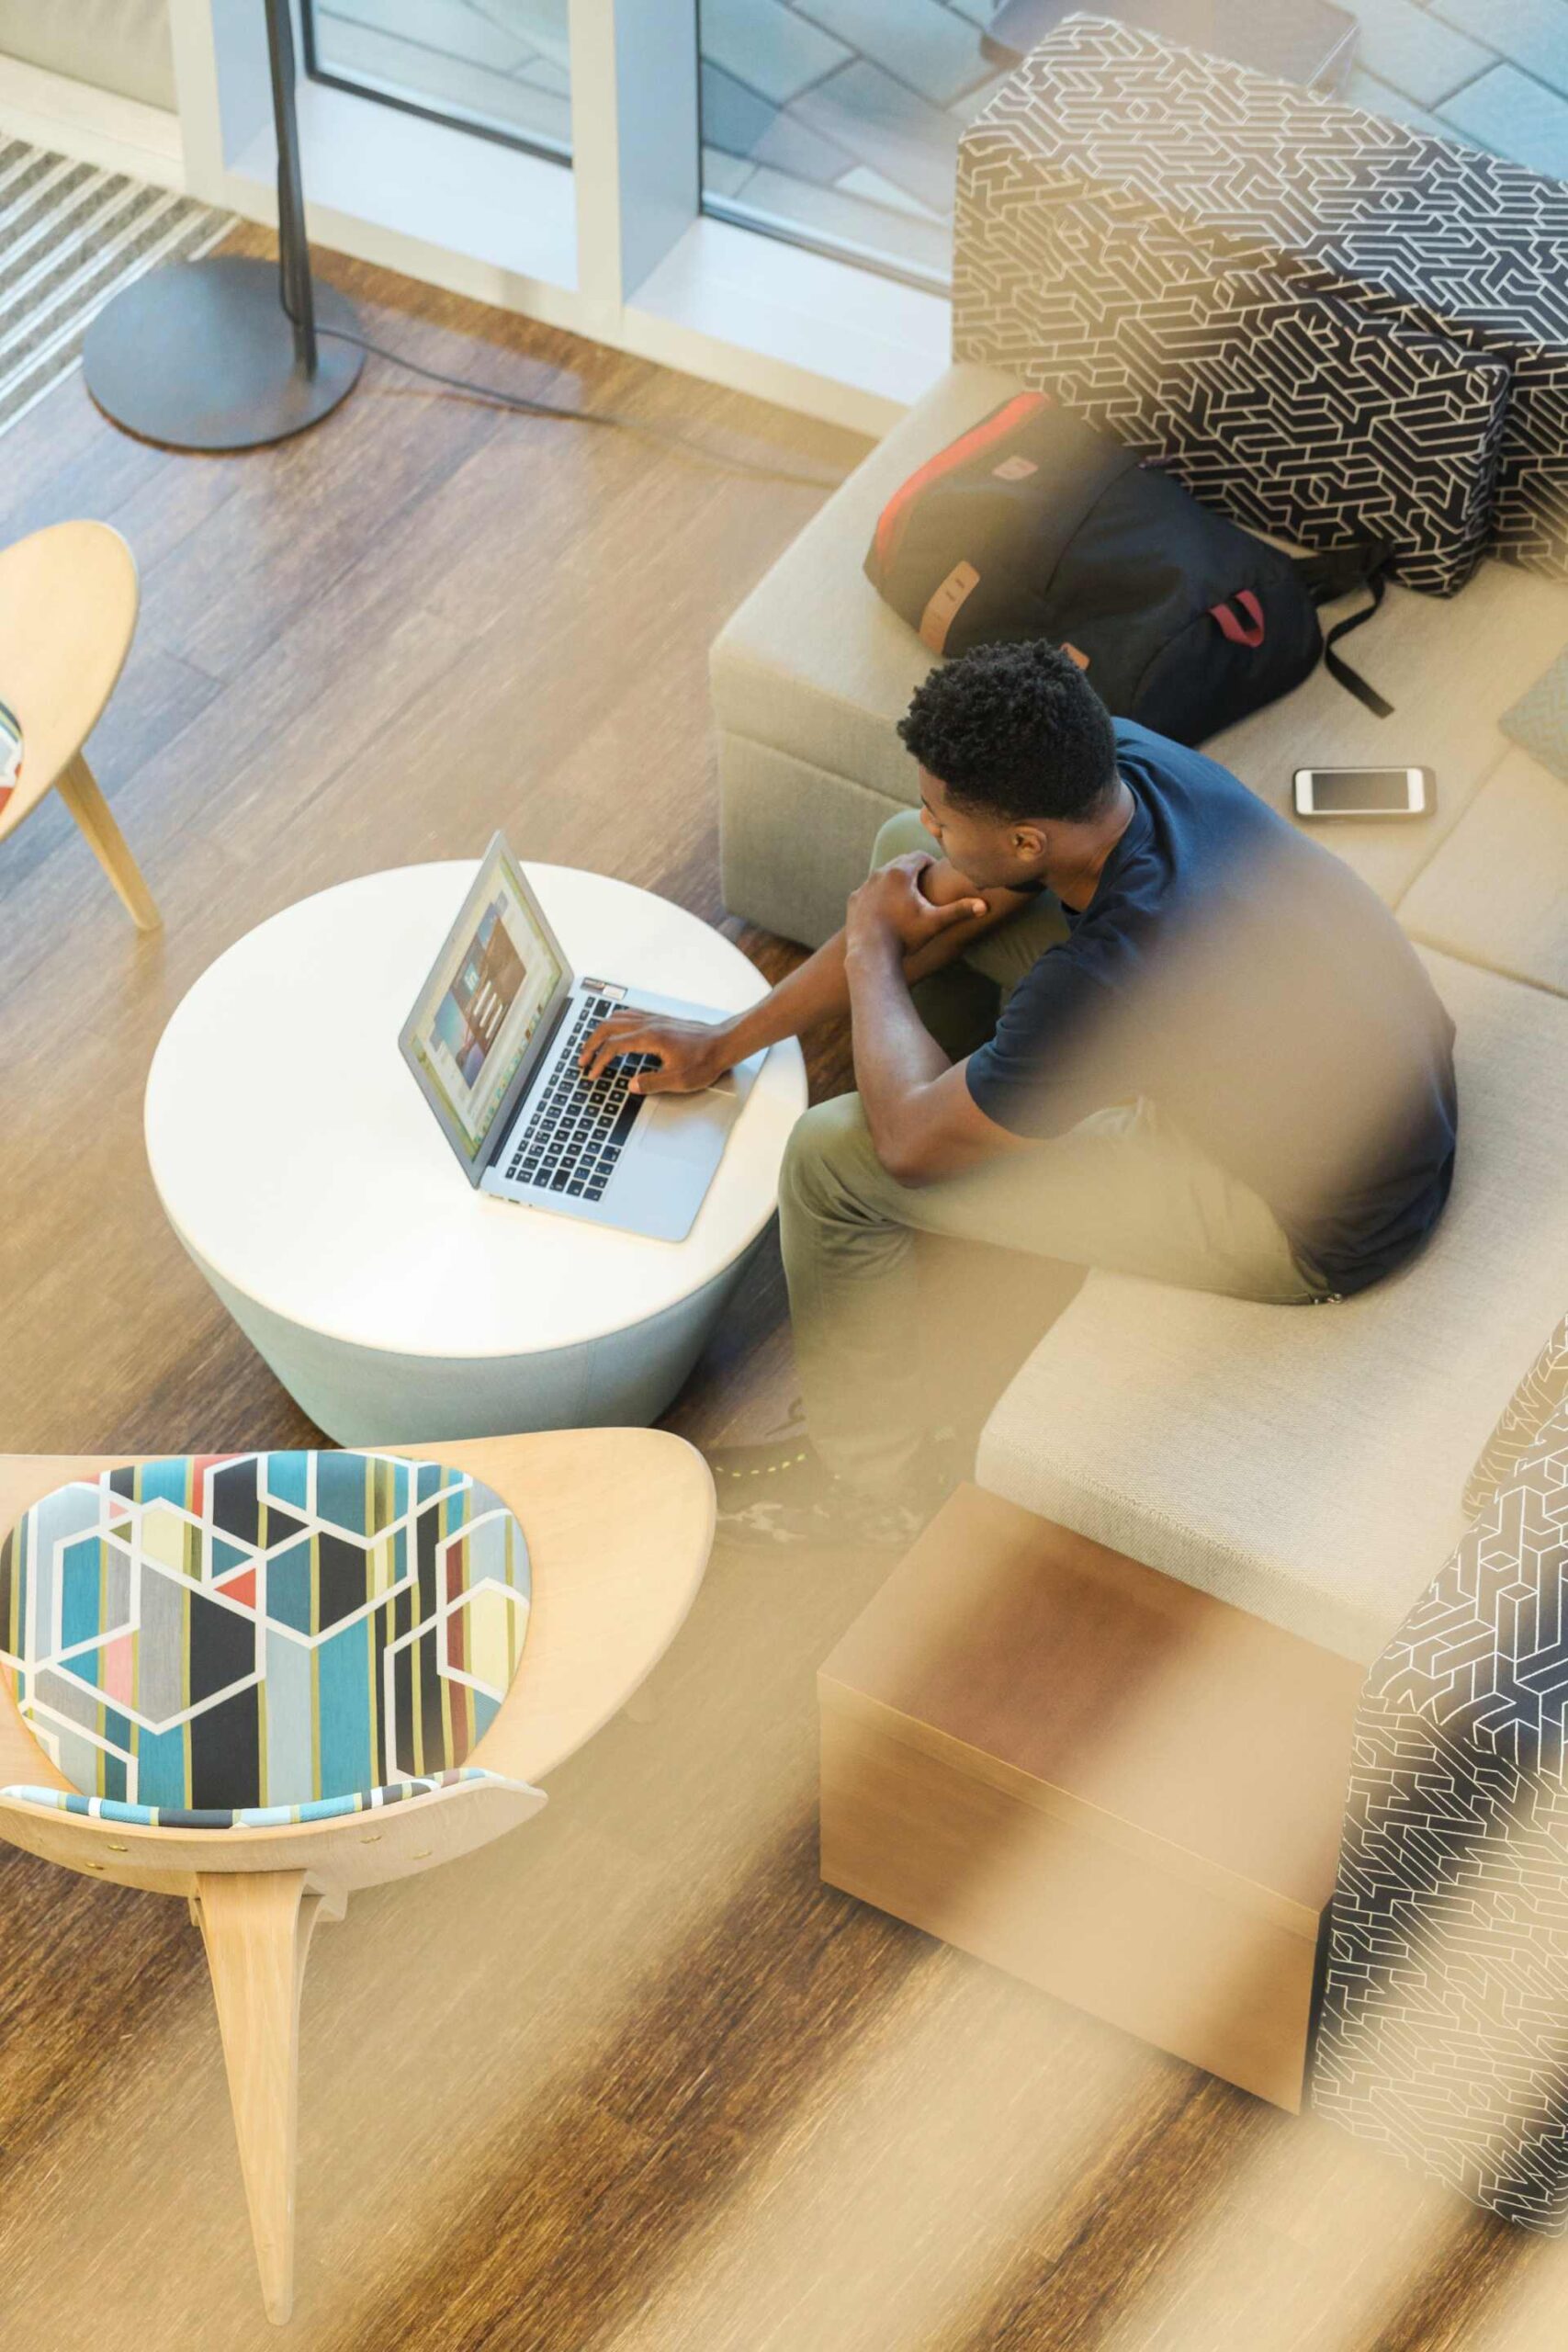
x: 365, y: 1395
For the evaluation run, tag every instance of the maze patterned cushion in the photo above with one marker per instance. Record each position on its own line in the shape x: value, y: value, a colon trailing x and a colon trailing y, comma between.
x: 220, y: 1638
x: 1326, y: 319
x: 1443, y: 2031
x: 1539, y: 1393
x: 1539, y: 719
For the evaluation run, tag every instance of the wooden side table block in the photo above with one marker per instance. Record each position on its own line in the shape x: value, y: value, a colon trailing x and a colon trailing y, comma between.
x: 1114, y: 1786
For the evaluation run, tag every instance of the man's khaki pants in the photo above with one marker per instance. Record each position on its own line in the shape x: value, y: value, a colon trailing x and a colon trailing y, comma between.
x: 1123, y: 1188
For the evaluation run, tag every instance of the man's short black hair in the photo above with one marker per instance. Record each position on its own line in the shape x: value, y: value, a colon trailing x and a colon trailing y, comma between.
x: 1017, y: 731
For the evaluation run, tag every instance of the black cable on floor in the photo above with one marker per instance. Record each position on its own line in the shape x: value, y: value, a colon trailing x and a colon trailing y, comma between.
x: 492, y: 396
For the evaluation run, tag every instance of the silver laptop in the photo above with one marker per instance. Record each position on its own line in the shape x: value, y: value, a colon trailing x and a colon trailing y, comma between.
x: 493, y: 1042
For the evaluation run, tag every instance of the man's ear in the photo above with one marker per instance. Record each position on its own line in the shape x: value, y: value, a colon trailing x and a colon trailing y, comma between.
x: 1028, y: 844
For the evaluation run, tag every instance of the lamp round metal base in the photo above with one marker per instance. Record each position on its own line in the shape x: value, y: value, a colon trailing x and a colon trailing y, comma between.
x: 200, y: 355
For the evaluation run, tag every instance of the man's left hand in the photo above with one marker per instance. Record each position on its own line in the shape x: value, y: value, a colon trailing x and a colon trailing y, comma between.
x: 890, y: 904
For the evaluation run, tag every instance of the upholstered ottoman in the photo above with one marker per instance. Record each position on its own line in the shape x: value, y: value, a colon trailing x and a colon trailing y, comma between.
x: 241, y: 1642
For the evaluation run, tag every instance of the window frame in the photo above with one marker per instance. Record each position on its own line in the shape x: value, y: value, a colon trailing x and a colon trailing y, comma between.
x: 311, y: 65
x: 615, y: 244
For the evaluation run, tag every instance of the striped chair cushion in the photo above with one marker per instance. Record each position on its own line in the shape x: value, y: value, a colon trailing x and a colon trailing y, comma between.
x: 10, y: 753
x: 221, y: 1640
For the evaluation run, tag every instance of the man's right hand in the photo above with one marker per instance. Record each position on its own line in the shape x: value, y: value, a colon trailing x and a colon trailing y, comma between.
x: 691, y: 1054
x: 914, y: 897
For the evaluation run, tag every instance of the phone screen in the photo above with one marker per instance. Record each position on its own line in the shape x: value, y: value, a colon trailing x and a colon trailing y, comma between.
x: 1344, y: 791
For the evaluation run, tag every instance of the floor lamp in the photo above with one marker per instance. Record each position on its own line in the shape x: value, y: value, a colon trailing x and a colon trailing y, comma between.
x: 225, y: 354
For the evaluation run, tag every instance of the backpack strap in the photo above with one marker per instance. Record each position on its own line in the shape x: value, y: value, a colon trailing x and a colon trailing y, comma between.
x: 1340, y: 670
x: 1339, y: 572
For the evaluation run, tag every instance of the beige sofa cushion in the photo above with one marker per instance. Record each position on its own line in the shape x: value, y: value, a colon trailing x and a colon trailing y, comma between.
x: 1497, y: 889
x: 1308, y: 1463
x: 1451, y: 666
x: 816, y: 666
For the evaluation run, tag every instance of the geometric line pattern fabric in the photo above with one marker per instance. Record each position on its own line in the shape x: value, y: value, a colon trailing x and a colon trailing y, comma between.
x: 1206, y: 263
x: 1444, y: 2028
x: 1543, y: 1388
x: 223, y: 1633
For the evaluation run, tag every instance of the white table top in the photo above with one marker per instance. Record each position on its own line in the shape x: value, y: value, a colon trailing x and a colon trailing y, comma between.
x: 294, y: 1153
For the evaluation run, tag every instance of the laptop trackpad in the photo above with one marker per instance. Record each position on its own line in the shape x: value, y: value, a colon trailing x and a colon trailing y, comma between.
x: 691, y: 1128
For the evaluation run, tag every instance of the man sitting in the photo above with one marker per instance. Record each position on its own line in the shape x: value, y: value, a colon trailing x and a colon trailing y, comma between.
x: 1129, y: 1017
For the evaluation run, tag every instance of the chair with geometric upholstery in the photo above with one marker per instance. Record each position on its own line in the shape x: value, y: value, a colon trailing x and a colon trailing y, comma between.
x: 264, y: 1680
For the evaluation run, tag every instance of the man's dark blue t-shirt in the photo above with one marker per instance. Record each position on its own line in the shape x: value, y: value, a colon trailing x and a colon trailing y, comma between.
x: 1246, y: 980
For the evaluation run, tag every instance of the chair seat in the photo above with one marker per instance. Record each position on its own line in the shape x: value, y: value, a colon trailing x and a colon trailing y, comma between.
x: 246, y: 1640
x: 255, y: 1816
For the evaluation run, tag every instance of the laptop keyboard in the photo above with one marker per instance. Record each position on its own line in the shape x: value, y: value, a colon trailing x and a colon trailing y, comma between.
x: 578, y: 1130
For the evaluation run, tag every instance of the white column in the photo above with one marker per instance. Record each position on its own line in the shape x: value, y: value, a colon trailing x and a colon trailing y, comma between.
x: 225, y: 95
x: 634, y: 114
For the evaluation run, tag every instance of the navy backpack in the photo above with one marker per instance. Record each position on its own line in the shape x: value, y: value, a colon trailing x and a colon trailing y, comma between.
x: 1033, y: 525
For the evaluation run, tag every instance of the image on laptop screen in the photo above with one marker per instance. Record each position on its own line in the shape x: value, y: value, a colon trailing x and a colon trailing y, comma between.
x: 484, y: 1003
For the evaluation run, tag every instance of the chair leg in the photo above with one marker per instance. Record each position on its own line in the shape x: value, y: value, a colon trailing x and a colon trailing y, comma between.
x: 78, y: 788
x: 257, y: 1928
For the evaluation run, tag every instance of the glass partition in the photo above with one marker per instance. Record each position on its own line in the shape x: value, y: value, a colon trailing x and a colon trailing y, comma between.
x: 501, y: 67
x: 835, y: 123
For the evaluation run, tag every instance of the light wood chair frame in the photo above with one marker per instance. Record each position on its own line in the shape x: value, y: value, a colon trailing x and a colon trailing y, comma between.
x: 619, y: 1524
x: 69, y: 597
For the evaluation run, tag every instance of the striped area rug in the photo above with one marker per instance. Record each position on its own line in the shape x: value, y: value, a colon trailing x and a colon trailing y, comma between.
x: 70, y: 236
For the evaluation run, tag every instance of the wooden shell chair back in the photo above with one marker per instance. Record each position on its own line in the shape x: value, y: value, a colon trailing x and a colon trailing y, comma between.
x: 68, y: 604
x: 383, y: 1598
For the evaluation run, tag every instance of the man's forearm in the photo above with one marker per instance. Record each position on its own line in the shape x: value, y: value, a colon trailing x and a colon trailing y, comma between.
x: 812, y: 991
x: 895, y: 1053
x: 820, y: 987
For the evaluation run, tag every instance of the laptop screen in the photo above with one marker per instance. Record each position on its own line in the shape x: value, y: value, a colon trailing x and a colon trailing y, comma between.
x: 496, y: 978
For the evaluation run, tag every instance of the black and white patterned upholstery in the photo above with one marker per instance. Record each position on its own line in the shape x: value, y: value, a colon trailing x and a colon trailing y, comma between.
x: 1543, y: 1388
x: 1444, y: 2027
x: 1325, y: 322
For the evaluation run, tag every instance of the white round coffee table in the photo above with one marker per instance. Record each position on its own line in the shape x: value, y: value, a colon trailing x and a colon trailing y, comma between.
x: 301, y: 1168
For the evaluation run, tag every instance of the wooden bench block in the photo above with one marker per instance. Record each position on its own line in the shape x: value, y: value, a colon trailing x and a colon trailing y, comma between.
x: 1108, y: 1783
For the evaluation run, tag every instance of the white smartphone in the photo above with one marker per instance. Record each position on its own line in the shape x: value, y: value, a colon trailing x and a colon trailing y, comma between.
x: 1365, y: 792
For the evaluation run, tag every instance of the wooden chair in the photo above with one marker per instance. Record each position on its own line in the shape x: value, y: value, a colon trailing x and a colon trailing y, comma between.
x: 68, y: 601
x: 618, y: 1525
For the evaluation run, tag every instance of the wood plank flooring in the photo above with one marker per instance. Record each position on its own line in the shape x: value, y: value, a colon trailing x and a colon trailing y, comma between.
x: 632, y: 2081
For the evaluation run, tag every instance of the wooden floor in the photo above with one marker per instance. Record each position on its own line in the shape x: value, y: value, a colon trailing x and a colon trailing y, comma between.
x: 632, y: 2081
